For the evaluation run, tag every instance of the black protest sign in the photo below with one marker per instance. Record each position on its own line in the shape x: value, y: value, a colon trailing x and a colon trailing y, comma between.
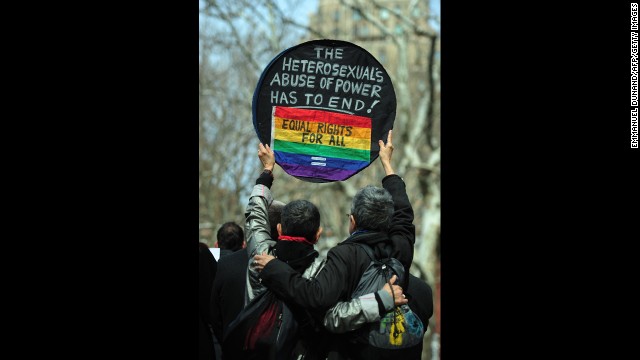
x: 322, y: 106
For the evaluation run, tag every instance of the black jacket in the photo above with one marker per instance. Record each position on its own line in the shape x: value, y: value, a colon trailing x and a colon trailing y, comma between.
x: 420, y: 298
x: 207, y: 273
x: 227, y: 297
x: 346, y: 263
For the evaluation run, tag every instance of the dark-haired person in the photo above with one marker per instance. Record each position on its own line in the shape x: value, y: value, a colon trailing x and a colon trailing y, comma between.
x: 207, y: 268
x: 381, y: 218
x: 298, y: 231
x: 227, y: 297
x: 230, y: 238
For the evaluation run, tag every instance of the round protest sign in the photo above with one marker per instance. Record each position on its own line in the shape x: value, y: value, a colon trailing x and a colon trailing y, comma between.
x: 322, y: 106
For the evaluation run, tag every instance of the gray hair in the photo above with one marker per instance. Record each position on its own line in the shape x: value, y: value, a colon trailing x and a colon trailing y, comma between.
x: 372, y: 208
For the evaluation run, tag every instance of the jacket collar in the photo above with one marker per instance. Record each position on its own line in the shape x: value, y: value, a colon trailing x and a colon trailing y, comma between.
x: 379, y: 241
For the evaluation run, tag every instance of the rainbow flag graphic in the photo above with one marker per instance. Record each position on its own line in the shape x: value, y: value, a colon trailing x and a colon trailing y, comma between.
x: 320, y: 144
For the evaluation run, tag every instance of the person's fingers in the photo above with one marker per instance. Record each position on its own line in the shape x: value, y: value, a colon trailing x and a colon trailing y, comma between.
x: 400, y: 298
x: 389, y: 144
x: 393, y: 279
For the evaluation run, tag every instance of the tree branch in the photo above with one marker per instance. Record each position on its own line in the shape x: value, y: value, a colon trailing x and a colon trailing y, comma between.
x: 238, y: 40
x: 367, y: 16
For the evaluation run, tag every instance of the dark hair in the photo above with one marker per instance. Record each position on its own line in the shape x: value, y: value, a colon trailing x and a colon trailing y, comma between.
x: 230, y: 236
x: 372, y: 208
x: 275, y: 214
x: 300, y: 218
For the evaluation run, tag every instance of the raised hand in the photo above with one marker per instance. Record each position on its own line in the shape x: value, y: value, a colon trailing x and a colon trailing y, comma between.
x: 267, y: 157
x: 385, y: 153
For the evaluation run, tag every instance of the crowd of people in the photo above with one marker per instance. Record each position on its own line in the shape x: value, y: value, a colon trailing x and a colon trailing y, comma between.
x: 279, y: 258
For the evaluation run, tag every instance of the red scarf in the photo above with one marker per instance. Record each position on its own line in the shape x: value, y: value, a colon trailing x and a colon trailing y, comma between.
x: 296, y: 239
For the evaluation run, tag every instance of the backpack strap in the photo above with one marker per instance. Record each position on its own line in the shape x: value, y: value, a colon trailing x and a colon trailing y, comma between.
x: 369, y: 250
x: 366, y: 249
x: 372, y: 256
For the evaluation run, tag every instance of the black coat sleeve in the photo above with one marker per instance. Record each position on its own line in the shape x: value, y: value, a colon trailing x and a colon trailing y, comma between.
x: 208, y: 267
x: 402, y: 231
x: 332, y: 284
x: 216, y: 306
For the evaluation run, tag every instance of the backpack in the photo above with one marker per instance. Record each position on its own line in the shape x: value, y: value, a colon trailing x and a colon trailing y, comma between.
x: 264, y: 329
x: 268, y: 328
x: 400, y: 327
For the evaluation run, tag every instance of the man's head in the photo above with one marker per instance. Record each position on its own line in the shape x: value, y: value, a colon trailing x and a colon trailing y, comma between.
x: 300, y: 218
x: 275, y: 214
x: 230, y: 236
x: 371, y: 209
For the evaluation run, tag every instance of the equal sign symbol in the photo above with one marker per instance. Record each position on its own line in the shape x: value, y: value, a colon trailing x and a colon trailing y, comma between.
x: 317, y: 158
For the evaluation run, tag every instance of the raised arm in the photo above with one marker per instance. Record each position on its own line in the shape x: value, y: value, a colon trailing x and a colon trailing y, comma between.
x: 402, y: 231
x: 257, y: 227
